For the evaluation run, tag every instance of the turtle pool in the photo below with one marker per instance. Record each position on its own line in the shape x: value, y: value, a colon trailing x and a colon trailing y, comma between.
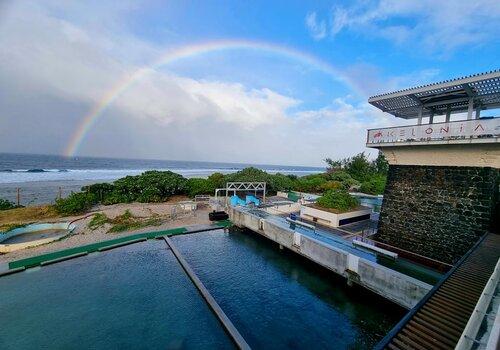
x: 138, y: 296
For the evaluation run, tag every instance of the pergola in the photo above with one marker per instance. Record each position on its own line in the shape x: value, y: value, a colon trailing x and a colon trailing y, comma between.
x: 467, y: 94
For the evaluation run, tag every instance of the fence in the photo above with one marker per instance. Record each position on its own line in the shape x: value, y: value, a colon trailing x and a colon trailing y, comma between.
x: 31, y: 195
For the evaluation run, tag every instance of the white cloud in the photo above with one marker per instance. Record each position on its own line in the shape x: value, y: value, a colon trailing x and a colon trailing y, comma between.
x: 438, y: 26
x: 57, y: 68
x: 316, y: 28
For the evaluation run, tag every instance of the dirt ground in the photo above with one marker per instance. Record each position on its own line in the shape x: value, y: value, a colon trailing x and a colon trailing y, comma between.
x: 84, y: 235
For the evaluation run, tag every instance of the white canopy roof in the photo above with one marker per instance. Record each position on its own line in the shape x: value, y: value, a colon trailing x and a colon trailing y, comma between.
x: 453, y: 95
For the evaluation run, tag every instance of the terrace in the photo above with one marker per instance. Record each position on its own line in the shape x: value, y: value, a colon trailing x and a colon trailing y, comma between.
x: 468, y: 95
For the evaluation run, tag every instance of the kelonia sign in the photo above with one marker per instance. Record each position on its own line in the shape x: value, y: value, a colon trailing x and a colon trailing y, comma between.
x: 438, y: 131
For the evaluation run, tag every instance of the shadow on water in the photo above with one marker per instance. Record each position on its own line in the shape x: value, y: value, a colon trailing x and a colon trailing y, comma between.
x: 279, y: 299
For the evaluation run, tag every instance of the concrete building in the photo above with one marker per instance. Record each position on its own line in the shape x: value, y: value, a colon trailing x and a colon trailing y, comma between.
x: 442, y: 187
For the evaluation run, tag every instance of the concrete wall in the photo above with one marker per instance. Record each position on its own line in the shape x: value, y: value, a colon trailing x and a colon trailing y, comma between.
x: 438, y: 212
x: 442, y: 154
x: 328, y: 218
x: 392, y: 285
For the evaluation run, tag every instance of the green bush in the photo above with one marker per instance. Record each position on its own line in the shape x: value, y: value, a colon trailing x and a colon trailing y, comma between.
x: 217, y: 180
x: 339, y: 200
x: 310, y: 183
x: 150, y: 186
x: 196, y: 186
x: 332, y: 185
x: 6, y: 204
x: 375, y: 185
x: 75, y: 203
x: 280, y: 182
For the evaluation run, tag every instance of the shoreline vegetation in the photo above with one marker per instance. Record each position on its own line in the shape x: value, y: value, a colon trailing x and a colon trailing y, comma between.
x: 355, y: 173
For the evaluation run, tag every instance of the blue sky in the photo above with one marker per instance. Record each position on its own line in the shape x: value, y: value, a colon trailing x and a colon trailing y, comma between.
x: 237, y: 104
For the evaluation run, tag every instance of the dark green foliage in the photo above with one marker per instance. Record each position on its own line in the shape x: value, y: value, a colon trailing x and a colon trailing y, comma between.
x: 100, y: 190
x: 280, y: 182
x: 375, y: 185
x: 339, y: 200
x: 371, y: 174
x: 6, y: 204
x: 150, y: 186
x: 195, y: 186
x: 332, y: 185
x: 310, y: 183
x: 381, y: 164
x: 217, y: 180
x: 344, y: 178
x: 76, y: 203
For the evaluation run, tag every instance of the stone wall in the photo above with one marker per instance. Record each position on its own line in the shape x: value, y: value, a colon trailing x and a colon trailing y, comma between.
x: 435, y: 211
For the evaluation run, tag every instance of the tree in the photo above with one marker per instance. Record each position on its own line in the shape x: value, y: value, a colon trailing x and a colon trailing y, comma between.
x: 333, y: 165
x: 381, y: 165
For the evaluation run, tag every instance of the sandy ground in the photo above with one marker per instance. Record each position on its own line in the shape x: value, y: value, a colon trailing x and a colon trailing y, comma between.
x: 83, y: 235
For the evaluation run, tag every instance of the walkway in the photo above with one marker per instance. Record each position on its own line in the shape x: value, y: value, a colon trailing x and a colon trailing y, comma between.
x: 438, y: 321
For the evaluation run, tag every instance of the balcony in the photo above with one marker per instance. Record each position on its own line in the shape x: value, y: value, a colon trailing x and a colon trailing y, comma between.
x: 484, y: 130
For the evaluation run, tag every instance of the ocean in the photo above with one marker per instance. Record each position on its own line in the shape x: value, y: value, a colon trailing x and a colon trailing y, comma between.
x: 41, y: 179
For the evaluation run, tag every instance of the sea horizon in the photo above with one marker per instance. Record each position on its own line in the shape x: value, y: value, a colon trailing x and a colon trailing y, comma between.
x: 42, y: 178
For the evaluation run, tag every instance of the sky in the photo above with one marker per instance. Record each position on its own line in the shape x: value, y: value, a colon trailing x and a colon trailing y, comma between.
x: 276, y: 82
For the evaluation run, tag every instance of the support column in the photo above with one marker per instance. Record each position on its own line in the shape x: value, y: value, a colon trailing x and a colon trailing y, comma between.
x: 448, y: 114
x: 431, y: 118
x: 420, y: 112
x: 470, y: 108
x: 478, y: 112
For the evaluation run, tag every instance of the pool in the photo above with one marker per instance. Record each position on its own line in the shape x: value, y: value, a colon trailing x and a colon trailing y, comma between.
x: 131, y: 297
x: 33, y: 235
x: 279, y: 300
x: 138, y: 296
x: 370, y: 201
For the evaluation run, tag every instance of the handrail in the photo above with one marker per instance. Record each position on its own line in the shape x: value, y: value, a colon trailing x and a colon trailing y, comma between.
x: 470, y: 331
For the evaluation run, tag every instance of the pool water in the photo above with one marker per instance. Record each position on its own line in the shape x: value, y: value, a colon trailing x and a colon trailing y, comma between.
x: 134, y: 297
x: 279, y: 300
x: 36, y: 235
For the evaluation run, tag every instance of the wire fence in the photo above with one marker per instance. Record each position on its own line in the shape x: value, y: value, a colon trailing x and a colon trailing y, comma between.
x: 32, y: 196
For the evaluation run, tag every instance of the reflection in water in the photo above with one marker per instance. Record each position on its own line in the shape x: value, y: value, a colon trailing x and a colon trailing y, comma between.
x: 279, y: 300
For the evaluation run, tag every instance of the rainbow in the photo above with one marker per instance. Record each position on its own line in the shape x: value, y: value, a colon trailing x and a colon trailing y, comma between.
x: 189, y: 51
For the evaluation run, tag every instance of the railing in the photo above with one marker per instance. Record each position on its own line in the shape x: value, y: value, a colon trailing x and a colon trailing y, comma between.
x: 468, y: 338
x: 458, y: 130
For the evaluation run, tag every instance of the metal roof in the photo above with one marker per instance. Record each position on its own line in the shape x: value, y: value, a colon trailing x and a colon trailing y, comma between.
x: 483, y: 88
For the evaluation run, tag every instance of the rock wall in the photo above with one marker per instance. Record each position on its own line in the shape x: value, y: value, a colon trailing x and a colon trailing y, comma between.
x: 438, y: 212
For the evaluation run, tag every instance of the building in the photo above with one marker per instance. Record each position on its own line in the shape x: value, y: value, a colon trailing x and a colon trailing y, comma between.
x: 442, y: 187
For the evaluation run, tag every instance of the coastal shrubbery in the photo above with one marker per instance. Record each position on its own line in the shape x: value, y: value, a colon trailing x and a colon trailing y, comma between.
x: 355, y: 173
x: 6, y: 204
x: 339, y: 200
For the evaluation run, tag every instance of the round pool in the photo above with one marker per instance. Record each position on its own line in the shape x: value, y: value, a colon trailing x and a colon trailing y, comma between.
x: 33, y: 235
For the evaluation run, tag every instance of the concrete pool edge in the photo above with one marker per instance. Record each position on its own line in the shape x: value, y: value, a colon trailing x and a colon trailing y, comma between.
x: 68, y: 227
x: 22, y: 264
x: 209, y: 299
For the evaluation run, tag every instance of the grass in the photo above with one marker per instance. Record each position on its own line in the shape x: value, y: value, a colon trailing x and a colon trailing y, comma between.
x: 124, y: 222
x: 97, y: 221
x: 23, y: 216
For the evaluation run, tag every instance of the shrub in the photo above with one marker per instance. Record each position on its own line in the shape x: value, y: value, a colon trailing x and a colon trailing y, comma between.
x: 375, y: 185
x: 280, y: 182
x: 332, y: 185
x: 310, y: 183
x: 344, y: 178
x: 6, y: 204
x: 217, y: 180
x: 195, y: 186
x: 337, y: 199
x: 150, y: 186
x: 100, y: 190
x: 75, y: 203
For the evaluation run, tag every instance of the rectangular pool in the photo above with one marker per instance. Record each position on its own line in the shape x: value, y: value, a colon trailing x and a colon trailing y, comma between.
x: 279, y: 300
x: 133, y: 297
x: 138, y: 296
